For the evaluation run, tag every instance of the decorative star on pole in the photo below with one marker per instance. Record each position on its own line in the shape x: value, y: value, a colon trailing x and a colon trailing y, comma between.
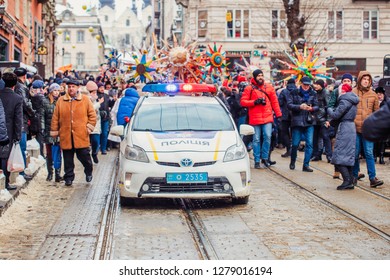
x: 305, y: 64
x: 142, y: 68
x: 216, y: 59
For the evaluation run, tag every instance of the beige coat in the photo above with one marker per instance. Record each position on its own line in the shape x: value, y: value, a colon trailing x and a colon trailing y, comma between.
x: 73, y: 119
x: 368, y: 101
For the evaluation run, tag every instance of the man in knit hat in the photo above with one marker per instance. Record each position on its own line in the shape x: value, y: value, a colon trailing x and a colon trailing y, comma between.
x: 321, y: 127
x: 261, y: 100
x: 368, y: 104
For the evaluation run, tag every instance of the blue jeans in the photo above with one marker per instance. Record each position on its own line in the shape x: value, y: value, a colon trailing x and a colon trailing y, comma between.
x: 104, y: 135
x: 23, y: 147
x: 264, y: 131
x: 95, y: 143
x: 368, y: 148
x: 302, y: 133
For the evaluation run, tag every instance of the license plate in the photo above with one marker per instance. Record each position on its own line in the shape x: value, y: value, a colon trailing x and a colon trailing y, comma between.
x: 187, y: 177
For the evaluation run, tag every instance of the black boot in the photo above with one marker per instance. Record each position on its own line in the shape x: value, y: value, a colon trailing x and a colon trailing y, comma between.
x: 382, y: 158
x: 49, y: 165
x: 347, y: 179
x: 287, y: 153
x: 269, y: 159
x: 58, y: 177
x: 292, y: 164
x: 49, y: 176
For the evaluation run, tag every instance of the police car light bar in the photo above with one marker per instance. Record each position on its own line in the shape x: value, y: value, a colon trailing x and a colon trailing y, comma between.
x: 177, y: 88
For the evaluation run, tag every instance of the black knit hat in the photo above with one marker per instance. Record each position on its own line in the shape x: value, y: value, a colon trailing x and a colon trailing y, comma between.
x: 256, y: 73
x: 320, y: 83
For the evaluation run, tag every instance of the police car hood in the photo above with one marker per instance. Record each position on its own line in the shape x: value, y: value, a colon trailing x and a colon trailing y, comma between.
x: 202, y: 141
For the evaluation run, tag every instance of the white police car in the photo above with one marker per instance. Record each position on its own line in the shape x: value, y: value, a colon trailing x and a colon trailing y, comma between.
x: 182, y: 146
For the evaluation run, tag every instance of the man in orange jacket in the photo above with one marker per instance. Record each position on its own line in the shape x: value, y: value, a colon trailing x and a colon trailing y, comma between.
x: 261, y: 100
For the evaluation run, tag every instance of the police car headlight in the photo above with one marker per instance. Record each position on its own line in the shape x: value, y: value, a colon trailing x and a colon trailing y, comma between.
x: 136, y: 153
x: 234, y: 153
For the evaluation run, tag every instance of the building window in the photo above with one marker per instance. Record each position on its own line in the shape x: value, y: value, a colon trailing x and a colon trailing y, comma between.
x: 66, y: 36
x: 370, y: 25
x: 17, y: 55
x: 335, y: 25
x: 3, y: 50
x: 202, y: 24
x: 80, y: 59
x: 237, y: 22
x: 127, y: 22
x: 127, y: 39
x: 105, y: 18
x: 80, y: 36
x: 66, y: 59
x: 279, y: 26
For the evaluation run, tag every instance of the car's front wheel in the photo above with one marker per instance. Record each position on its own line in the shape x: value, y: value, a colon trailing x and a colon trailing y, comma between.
x: 240, y: 200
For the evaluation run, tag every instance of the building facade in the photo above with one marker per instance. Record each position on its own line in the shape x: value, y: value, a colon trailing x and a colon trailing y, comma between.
x: 26, y: 33
x: 125, y: 27
x: 80, y: 40
x: 354, y: 33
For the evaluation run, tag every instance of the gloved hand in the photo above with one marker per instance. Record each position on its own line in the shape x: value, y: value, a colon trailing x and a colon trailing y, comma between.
x: 4, y: 142
x: 258, y: 101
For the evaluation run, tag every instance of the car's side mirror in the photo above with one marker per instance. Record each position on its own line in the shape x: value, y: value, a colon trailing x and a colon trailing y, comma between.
x: 117, y: 130
x: 246, y: 129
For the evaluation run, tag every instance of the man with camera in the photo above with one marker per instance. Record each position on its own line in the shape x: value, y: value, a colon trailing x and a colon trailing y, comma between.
x: 261, y: 100
x: 302, y: 103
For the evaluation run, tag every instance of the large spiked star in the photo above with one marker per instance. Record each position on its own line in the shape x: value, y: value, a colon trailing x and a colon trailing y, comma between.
x: 306, y: 64
x: 216, y: 59
x: 142, y: 68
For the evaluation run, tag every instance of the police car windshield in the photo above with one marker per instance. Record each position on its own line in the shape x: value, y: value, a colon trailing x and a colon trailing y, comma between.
x: 182, y: 117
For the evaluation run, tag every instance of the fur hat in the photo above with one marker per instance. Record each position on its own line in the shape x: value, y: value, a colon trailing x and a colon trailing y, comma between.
x: 20, y: 71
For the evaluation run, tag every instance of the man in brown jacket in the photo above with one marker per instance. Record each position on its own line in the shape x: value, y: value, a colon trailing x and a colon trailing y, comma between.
x: 368, y: 104
x: 74, y: 118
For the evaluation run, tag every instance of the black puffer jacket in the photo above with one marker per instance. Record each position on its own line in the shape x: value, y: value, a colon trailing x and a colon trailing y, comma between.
x: 323, y: 100
x: 283, y: 96
x: 36, y: 122
x: 28, y: 111
x: 49, y: 105
x: 3, y: 127
x: 294, y: 101
x: 377, y: 126
x: 104, y: 107
x: 13, y: 110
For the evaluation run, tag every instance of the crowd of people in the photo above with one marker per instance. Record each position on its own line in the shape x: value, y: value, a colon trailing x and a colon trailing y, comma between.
x: 312, y: 117
x: 67, y: 115
x: 70, y: 115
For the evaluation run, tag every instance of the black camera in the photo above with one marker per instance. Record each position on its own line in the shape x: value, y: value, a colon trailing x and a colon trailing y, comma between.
x: 260, y: 101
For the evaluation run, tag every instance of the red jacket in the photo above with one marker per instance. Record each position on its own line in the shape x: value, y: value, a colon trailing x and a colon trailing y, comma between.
x: 260, y: 114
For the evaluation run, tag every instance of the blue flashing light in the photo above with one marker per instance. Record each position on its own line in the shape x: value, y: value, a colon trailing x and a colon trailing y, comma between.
x: 184, y: 88
x: 171, y: 88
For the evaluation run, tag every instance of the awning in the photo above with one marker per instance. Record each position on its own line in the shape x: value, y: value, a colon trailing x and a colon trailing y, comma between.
x: 16, y: 64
